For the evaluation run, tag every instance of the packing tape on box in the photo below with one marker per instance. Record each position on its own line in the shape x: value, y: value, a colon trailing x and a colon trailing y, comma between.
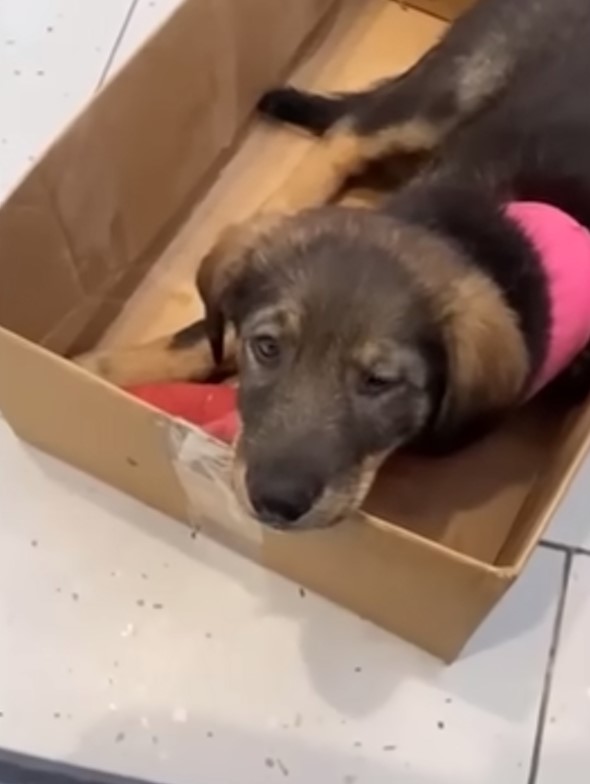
x: 203, y: 468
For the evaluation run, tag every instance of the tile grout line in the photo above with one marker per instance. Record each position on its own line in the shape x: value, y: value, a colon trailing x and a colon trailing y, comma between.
x: 111, y: 57
x: 551, y: 659
x: 563, y: 548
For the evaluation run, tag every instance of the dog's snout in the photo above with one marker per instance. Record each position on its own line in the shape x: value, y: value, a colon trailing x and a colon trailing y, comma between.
x: 280, y: 498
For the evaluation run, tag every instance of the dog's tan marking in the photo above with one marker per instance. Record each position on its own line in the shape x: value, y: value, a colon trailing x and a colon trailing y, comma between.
x: 489, y: 362
x: 411, y: 136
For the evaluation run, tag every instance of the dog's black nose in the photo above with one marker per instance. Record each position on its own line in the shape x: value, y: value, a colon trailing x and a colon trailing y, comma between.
x: 280, y: 501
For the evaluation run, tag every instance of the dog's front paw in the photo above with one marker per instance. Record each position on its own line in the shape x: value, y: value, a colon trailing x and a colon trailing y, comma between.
x: 95, y: 362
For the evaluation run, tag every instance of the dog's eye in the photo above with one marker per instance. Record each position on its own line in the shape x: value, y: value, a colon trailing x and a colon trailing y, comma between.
x: 372, y: 383
x: 265, y: 348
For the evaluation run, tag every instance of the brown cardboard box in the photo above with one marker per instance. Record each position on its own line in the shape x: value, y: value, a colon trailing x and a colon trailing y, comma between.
x: 101, y: 241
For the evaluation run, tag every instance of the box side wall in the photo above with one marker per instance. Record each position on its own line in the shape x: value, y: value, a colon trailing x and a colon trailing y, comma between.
x: 548, y: 490
x: 421, y: 593
x: 39, y: 282
x: 58, y: 408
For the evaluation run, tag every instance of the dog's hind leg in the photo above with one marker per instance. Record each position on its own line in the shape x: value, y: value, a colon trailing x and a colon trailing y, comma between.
x: 407, y: 114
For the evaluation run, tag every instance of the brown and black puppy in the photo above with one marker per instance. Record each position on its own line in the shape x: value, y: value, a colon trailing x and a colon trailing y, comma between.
x: 416, y: 324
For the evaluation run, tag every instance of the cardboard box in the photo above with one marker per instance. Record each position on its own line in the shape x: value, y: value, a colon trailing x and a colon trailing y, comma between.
x: 101, y: 241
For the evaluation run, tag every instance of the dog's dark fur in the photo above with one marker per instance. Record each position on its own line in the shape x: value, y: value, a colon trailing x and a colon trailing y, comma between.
x: 420, y: 322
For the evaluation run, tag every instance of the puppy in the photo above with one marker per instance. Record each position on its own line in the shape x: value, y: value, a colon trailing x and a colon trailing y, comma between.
x: 421, y: 322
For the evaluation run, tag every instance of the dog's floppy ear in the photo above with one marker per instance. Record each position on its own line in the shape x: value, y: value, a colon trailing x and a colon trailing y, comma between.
x: 487, y: 357
x: 223, y: 269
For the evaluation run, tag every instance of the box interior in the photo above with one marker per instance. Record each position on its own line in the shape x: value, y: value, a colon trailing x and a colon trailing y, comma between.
x: 112, y: 286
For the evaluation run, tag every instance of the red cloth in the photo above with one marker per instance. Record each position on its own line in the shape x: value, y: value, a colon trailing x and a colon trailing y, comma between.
x: 210, y: 406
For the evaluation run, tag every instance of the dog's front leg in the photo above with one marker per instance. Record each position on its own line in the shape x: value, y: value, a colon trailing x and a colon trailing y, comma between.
x: 185, y: 356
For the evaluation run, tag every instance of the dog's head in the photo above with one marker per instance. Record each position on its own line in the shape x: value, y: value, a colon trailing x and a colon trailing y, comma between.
x: 344, y: 354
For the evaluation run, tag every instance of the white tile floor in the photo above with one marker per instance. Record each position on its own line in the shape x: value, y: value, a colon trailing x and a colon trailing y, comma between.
x: 128, y: 646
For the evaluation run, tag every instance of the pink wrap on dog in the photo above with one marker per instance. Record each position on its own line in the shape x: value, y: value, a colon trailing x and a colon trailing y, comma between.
x: 563, y: 246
